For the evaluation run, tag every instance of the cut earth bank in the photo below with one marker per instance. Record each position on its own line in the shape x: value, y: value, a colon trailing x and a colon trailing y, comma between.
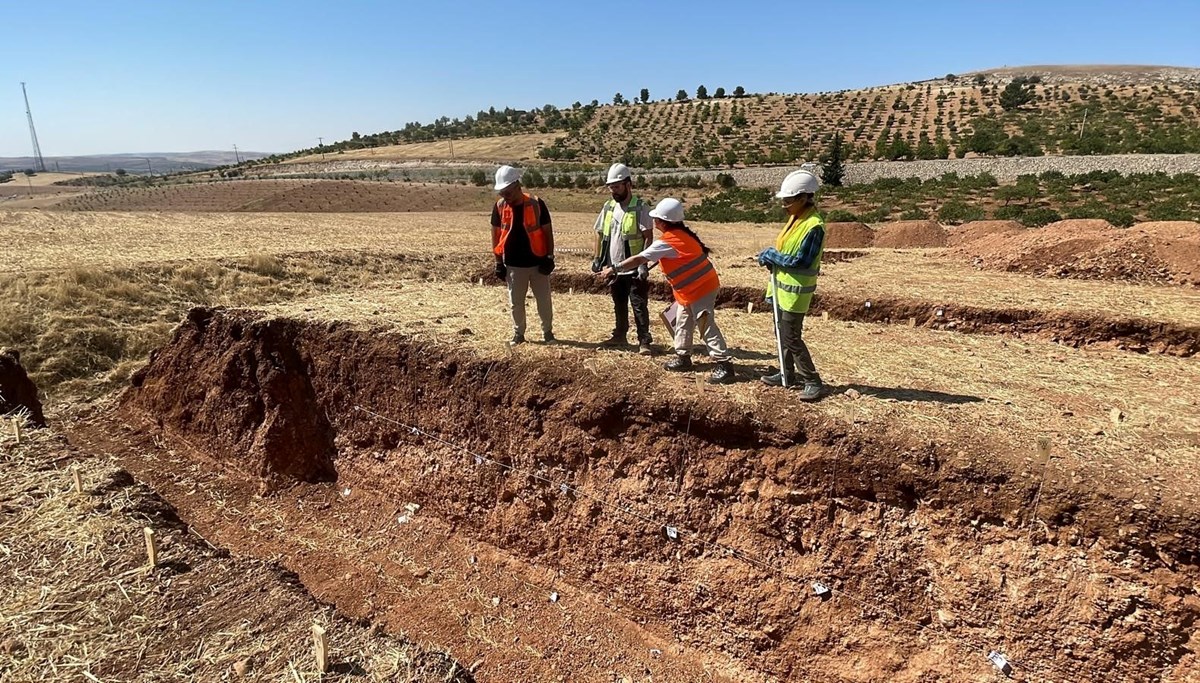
x: 421, y: 483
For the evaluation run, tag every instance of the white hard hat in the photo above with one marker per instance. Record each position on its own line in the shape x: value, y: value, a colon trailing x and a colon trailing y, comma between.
x: 798, y: 182
x: 505, y: 176
x: 617, y: 173
x: 669, y: 210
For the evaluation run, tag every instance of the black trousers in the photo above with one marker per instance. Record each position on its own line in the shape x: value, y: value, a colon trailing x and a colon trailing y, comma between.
x: 626, y: 291
x: 795, y: 351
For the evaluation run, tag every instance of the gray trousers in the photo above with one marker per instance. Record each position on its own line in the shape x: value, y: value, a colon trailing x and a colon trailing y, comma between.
x: 795, y: 351
x: 685, y: 327
x: 519, y: 282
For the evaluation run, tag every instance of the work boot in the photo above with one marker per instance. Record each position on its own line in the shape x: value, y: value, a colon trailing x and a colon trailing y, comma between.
x: 614, y: 342
x: 776, y: 380
x: 722, y: 374
x: 645, y: 349
x: 811, y: 391
x: 679, y: 363
x: 549, y: 337
x: 516, y: 339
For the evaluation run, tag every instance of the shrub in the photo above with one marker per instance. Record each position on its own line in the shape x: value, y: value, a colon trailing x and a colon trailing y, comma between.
x: 480, y: 178
x: 841, y: 216
x: 726, y: 181
x: 914, y: 213
x: 955, y: 212
x: 1036, y: 218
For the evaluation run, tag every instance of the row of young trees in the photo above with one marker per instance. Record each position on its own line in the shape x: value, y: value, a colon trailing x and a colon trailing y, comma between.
x: 682, y: 95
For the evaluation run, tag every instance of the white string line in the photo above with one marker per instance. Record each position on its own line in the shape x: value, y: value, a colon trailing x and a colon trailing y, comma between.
x: 970, y: 641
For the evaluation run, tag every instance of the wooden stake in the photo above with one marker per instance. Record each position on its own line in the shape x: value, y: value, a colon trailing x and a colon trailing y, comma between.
x: 78, y: 482
x: 151, y: 547
x: 571, y: 291
x: 320, y: 648
x: 16, y: 427
x: 824, y: 315
x: 750, y: 307
x: 912, y: 322
x: 1043, y: 446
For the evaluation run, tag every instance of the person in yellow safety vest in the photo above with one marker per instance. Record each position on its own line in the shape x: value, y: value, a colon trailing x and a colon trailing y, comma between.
x: 694, y: 282
x: 624, y: 228
x: 795, y: 262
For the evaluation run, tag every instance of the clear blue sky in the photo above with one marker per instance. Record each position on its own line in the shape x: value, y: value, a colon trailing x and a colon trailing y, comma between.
x: 113, y: 76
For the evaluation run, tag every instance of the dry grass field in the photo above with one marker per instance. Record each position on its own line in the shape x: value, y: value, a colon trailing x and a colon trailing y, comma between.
x: 501, y: 149
x: 917, y: 483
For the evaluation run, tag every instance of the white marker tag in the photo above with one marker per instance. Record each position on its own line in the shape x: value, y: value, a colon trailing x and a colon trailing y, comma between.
x: 673, y: 533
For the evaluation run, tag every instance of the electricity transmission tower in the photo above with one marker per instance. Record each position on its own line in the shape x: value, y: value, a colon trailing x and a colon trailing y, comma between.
x: 39, y: 162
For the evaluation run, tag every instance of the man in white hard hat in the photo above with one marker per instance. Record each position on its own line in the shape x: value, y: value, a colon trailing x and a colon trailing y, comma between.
x: 694, y: 282
x: 624, y: 228
x: 523, y: 244
x: 795, y: 262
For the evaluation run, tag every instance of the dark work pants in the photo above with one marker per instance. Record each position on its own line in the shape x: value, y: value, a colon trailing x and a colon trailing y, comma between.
x: 626, y: 291
x: 795, y: 352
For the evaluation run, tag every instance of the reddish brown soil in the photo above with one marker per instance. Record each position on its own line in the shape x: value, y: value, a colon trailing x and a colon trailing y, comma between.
x: 17, y: 391
x: 848, y: 236
x: 909, y: 235
x: 908, y: 528
x: 1164, y: 252
x: 969, y: 232
x: 1139, y: 335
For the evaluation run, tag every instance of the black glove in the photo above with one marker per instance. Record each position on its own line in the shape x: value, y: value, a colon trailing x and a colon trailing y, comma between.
x: 501, y: 271
x: 546, y: 266
x: 596, y: 265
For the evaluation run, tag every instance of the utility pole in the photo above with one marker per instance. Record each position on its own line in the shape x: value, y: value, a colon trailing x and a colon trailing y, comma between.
x: 235, y: 155
x: 321, y: 146
x: 1084, y: 124
x: 39, y: 162
x: 149, y: 168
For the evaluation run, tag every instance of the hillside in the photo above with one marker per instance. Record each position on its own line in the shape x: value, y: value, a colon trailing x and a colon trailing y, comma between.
x: 1026, y: 111
x: 159, y: 162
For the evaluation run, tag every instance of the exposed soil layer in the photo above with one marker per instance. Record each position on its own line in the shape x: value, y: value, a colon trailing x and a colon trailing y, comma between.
x: 17, y: 391
x: 932, y: 550
x: 969, y: 232
x: 1161, y: 252
x: 909, y: 235
x: 1071, y: 329
x: 848, y: 236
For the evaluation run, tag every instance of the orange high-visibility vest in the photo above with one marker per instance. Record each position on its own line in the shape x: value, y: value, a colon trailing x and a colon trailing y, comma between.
x: 691, y: 275
x: 533, y: 226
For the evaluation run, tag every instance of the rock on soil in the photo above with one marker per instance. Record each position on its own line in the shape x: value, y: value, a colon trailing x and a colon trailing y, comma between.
x: 848, y: 236
x: 910, y: 235
x: 17, y: 391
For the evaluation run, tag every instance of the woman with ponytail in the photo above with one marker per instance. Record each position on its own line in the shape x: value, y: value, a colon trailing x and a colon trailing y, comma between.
x: 694, y: 282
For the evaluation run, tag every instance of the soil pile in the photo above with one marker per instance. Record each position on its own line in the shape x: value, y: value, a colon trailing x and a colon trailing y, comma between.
x: 1161, y: 252
x: 17, y: 391
x: 910, y: 235
x: 248, y: 393
x: 848, y: 236
x: 969, y: 232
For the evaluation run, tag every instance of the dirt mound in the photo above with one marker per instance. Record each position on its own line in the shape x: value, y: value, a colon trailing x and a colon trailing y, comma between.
x: 1161, y: 252
x: 910, y: 235
x: 17, y: 391
x: 247, y: 393
x: 969, y: 232
x: 848, y: 236
x: 581, y: 478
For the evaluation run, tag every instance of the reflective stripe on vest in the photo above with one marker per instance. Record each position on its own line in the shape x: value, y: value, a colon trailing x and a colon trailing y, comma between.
x: 532, y: 222
x: 631, y: 232
x: 796, y: 285
x: 691, y: 274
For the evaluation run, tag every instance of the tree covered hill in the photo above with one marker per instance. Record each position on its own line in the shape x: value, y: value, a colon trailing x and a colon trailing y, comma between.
x: 1008, y: 112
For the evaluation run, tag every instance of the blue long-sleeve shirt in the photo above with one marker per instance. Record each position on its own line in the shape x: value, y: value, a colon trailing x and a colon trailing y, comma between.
x: 805, y: 258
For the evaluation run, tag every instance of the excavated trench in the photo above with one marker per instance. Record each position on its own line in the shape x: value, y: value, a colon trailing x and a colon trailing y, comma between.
x: 1077, y: 330
x: 929, y: 549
